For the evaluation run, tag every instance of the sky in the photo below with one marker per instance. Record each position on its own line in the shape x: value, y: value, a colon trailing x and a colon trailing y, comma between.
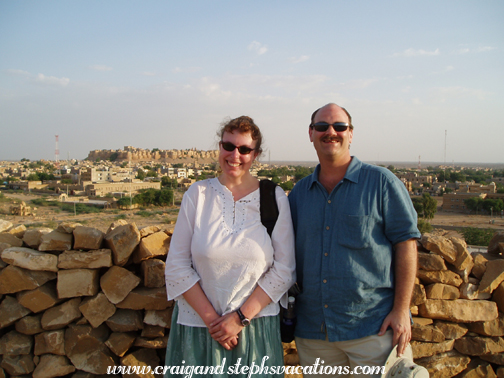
x: 421, y: 79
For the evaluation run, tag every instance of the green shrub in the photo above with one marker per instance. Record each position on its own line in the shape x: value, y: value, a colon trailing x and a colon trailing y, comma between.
x: 478, y: 236
x: 424, y: 226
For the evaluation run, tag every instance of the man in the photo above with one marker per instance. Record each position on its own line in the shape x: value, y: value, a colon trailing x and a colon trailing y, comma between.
x: 356, y: 253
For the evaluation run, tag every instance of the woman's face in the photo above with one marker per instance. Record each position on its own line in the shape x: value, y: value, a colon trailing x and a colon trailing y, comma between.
x: 234, y: 164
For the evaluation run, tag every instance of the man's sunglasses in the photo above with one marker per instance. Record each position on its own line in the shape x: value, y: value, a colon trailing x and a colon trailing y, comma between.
x: 244, y: 150
x: 323, y: 126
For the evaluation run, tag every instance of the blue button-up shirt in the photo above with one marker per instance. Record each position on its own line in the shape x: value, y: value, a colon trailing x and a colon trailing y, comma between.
x: 344, y: 250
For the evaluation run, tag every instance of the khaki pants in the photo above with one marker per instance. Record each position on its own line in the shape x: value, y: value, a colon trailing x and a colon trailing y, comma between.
x: 368, y: 351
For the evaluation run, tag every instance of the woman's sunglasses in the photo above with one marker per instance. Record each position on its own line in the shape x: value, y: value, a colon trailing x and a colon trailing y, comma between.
x: 323, y: 126
x: 228, y: 146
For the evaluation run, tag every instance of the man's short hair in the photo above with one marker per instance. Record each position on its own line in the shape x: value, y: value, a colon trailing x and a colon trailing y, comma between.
x: 346, y: 112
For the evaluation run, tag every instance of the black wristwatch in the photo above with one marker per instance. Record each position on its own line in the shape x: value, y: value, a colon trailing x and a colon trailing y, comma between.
x: 244, y: 320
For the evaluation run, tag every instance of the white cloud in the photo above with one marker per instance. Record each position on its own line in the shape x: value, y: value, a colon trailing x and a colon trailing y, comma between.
x: 458, y: 92
x: 302, y: 58
x: 147, y: 73
x: 486, y: 48
x: 51, y: 80
x: 412, y: 52
x: 464, y: 51
x: 100, y: 67
x: 258, y: 47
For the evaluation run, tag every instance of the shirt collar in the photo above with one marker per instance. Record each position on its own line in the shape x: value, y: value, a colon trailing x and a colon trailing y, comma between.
x: 352, y: 173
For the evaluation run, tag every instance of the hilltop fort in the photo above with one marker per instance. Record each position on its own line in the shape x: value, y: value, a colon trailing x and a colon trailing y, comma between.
x: 134, y: 154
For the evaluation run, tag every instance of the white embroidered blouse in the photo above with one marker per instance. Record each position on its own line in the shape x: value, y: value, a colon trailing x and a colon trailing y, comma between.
x: 223, y: 245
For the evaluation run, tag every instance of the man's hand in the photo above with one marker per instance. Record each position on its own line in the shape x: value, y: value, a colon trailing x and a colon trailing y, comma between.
x: 400, y: 323
x: 225, y: 330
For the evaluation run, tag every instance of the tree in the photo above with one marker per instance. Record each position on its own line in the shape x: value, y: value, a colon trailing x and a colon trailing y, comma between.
x: 429, y: 206
x: 114, y: 156
x: 288, y: 185
x: 140, y: 174
x: 474, y: 203
x: 33, y: 177
x: 477, y: 236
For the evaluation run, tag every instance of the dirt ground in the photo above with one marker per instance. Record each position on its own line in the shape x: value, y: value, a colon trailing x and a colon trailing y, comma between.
x: 166, y: 216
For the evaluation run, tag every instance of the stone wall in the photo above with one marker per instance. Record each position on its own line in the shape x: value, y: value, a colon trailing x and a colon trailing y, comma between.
x: 75, y: 300
x: 458, y: 308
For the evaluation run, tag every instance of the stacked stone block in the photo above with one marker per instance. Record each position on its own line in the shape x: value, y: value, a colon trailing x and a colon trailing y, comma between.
x: 458, y: 308
x: 75, y: 301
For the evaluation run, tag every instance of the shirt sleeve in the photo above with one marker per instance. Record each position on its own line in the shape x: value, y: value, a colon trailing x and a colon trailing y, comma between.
x: 282, y: 274
x: 400, y: 216
x: 180, y: 275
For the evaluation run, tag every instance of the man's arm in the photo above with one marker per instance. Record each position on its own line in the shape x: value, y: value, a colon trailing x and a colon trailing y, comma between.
x: 405, y: 270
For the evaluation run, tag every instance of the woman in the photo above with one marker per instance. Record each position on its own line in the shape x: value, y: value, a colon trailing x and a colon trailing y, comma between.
x: 224, y: 269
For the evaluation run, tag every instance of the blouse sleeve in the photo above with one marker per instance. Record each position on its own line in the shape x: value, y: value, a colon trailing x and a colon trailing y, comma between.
x: 282, y: 274
x: 179, y: 273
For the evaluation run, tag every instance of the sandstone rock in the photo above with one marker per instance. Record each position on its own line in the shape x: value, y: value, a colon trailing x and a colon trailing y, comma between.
x: 29, y: 325
x: 52, y: 342
x: 479, y: 267
x: 497, y: 359
x: 498, y: 296
x: 122, y: 241
x: 152, y: 246
x: 477, y: 346
x: 87, y: 238
x: 459, y: 310
x: 39, y: 299
x: 125, y: 321
x: 149, y: 230
x: 440, y: 246
x: 60, y: 316
x: 15, y: 343
x: 441, y: 291
x: 150, y: 331
x: 147, y: 299
x: 471, y: 291
x: 117, y: 283
x: 444, y: 364
x: 5, y: 225
x: 142, y: 358
x: 77, y: 282
x: 451, y: 331
x: 11, y: 311
x: 161, y: 318
x: 67, y: 227
x: 493, y: 276
x: 421, y: 349
x: 85, y: 348
x: 158, y: 343
x: 5, y: 237
x: 478, y: 368
x: 114, y: 225
x: 430, y: 261
x: 101, y: 258
x: 18, y: 365
x: 442, y: 276
x: 153, y: 273
x: 30, y: 259
x: 414, y: 310
x: 33, y: 236
x: 97, y: 309
x: 53, y: 366
x: 55, y: 241
x: 493, y: 246
x: 426, y: 333
x: 491, y: 328
x: 3, y: 247
x: 463, y: 260
x: 14, y: 279
x: 120, y: 342
x: 18, y: 231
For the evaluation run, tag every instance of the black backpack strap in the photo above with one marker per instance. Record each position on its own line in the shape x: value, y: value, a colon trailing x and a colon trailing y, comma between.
x: 268, y: 205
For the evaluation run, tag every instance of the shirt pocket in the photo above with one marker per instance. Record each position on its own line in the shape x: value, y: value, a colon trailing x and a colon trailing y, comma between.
x: 355, y: 231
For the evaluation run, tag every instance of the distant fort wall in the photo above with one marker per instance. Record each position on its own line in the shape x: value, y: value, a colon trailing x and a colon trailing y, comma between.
x: 169, y: 156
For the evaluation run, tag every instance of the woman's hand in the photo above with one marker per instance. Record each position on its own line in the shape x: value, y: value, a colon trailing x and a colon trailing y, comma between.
x: 225, y: 330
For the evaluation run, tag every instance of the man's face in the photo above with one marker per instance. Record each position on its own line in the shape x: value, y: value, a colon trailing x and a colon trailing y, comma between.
x: 330, y: 143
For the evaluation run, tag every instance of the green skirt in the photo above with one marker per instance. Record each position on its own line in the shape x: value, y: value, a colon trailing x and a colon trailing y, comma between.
x: 191, y: 351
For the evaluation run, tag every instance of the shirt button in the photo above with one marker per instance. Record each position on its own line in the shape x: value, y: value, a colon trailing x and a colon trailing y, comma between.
x: 329, y: 201
x: 325, y: 254
x: 324, y: 281
x: 326, y: 306
x: 327, y: 228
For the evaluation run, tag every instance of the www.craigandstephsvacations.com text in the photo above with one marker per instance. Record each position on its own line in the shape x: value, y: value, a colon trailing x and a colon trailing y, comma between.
x: 187, y: 371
